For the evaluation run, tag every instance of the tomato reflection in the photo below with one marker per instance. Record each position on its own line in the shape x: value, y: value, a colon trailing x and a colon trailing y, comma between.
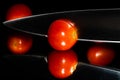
x: 19, y: 43
x: 62, y: 64
x: 101, y: 55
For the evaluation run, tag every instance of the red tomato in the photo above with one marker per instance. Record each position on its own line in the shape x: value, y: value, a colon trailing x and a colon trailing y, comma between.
x: 19, y: 44
x: 62, y: 64
x: 62, y: 34
x: 18, y: 11
x: 100, y: 55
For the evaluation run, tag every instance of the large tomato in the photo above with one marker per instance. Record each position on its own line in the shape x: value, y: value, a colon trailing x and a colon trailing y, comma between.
x: 18, y: 11
x: 62, y: 64
x: 19, y: 43
x: 100, y: 55
x: 62, y: 34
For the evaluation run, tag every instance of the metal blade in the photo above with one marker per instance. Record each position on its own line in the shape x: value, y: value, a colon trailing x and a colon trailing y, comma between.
x: 92, y: 24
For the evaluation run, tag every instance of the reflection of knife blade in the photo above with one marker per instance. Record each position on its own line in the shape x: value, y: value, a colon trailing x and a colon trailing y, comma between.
x: 23, y: 65
x: 84, y: 71
x: 103, y: 70
x: 90, y: 72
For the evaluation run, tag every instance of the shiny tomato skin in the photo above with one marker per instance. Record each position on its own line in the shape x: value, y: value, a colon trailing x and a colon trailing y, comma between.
x: 18, y: 11
x: 19, y: 43
x: 62, y: 64
x: 62, y: 34
x: 100, y: 55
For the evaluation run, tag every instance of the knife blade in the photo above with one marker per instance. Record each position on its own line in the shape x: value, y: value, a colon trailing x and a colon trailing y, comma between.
x: 101, y: 25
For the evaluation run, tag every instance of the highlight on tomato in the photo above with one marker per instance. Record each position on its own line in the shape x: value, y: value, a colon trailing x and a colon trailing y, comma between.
x: 62, y: 34
x: 19, y: 43
x: 100, y: 55
x: 62, y: 64
x: 18, y: 11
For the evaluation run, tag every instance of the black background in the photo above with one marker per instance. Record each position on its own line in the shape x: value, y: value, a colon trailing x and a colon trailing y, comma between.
x: 27, y: 66
x: 39, y: 7
x: 30, y: 66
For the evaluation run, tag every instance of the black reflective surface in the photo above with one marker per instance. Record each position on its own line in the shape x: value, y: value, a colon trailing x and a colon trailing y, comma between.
x: 103, y: 25
x: 33, y: 63
x: 37, y: 66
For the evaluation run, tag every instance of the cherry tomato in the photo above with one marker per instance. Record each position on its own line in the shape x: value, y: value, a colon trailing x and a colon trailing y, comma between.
x: 18, y: 11
x: 100, y: 55
x: 62, y: 34
x: 62, y: 64
x: 19, y: 43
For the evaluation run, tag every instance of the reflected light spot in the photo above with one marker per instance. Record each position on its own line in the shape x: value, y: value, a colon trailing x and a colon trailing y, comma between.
x: 98, y: 54
x: 63, y: 61
x: 63, y: 71
x: 20, y: 42
x: 73, y: 68
x: 70, y: 25
x: 63, y: 43
x: 62, y: 33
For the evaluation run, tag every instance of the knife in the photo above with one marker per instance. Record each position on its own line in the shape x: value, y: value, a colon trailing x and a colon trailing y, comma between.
x: 96, y: 25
